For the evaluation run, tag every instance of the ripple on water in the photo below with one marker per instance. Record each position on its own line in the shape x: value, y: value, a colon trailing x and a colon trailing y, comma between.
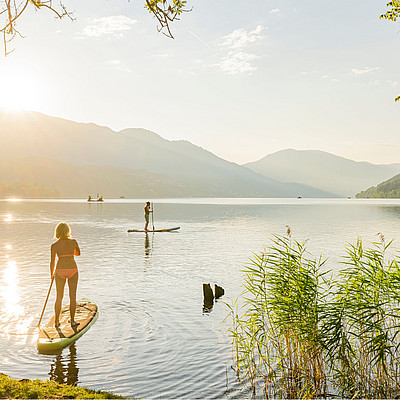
x: 152, y: 339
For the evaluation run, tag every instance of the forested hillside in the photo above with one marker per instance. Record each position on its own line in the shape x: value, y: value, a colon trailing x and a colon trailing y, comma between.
x: 389, y: 189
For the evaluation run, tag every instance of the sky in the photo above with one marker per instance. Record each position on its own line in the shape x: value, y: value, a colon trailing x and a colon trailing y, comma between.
x: 241, y: 79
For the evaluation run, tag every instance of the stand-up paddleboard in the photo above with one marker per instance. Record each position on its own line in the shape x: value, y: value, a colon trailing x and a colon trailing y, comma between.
x: 155, y: 230
x: 51, y: 338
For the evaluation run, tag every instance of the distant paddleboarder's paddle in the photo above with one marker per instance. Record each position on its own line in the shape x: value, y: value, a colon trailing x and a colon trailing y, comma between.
x: 45, y: 303
x: 152, y: 214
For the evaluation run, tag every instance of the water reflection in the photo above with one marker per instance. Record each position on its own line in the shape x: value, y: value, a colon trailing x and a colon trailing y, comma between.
x: 148, y: 248
x: 392, y: 211
x: 9, y: 290
x: 8, y: 218
x: 7, y: 247
x: 63, y: 369
x: 12, y: 316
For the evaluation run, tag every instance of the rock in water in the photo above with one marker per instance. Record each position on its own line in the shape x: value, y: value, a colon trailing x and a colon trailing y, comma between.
x: 219, y: 291
x: 208, y: 295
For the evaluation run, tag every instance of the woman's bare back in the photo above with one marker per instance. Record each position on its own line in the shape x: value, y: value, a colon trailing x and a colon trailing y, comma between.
x: 65, y: 249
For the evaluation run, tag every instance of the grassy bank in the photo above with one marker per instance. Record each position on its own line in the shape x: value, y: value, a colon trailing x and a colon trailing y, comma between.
x: 304, y: 333
x: 37, y: 389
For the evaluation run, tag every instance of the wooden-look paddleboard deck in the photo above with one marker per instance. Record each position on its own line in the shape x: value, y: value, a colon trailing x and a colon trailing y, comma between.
x: 51, y: 338
x: 155, y: 230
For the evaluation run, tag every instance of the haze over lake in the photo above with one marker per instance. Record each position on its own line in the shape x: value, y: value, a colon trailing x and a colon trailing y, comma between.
x: 153, y: 338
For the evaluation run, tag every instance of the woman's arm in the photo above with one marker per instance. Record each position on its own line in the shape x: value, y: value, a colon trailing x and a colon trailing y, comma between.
x: 52, y: 260
x: 77, y: 251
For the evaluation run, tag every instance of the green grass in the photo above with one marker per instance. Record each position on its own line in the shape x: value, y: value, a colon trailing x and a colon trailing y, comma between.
x: 37, y: 389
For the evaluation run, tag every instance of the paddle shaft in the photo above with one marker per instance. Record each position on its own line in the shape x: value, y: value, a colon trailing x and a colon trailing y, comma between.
x: 45, y: 303
x: 152, y: 214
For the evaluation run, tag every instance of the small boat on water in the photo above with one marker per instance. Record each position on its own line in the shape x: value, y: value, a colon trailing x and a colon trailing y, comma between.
x: 100, y: 198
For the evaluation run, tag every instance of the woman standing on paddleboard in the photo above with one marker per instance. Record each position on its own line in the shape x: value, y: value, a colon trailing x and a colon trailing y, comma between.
x: 65, y: 248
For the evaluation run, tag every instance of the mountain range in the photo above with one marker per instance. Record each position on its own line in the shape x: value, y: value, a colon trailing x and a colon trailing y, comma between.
x: 79, y: 159
x: 323, y: 170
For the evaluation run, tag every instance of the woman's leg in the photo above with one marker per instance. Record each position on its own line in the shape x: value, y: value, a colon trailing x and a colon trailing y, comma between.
x: 60, y: 283
x: 72, y: 286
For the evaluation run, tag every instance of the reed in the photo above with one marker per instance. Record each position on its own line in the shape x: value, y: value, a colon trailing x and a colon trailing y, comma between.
x: 361, y: 325
x: 301, y: 333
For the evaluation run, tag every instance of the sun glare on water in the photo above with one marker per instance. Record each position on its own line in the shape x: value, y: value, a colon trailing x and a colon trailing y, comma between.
x: 8, y: 218
x: 12, y: 312
x: 9, y: 291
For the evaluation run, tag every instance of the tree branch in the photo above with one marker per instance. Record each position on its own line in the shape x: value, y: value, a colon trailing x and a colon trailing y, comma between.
x: 392, y: 15
x: 12, y: 10
x: 165, y: 11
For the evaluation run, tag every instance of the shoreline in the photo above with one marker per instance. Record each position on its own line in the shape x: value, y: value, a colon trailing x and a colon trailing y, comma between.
x: 39, y: 389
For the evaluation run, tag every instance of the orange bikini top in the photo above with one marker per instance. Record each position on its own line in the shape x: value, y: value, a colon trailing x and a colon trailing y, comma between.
x: 65, y: 255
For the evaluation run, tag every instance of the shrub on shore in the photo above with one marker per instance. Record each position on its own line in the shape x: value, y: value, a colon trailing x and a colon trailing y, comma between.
x: 38, y: 389
x: 302, y: 334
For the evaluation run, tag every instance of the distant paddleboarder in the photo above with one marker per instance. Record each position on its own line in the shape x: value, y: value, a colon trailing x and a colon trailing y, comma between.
x: 65, y: 248
x: 149, y: 208
x: 147, y: 212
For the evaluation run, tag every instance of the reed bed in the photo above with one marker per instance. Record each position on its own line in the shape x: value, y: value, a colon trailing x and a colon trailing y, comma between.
x: 302, y: 333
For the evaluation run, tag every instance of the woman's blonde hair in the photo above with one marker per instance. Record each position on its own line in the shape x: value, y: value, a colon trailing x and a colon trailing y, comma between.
x: 63, y: 231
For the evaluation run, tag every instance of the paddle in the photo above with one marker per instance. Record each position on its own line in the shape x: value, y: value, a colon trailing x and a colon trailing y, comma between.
x: 45, y: 303
x: 152, y: 214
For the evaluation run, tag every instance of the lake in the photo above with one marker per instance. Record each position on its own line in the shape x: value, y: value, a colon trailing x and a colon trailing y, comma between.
x: 153, y: 338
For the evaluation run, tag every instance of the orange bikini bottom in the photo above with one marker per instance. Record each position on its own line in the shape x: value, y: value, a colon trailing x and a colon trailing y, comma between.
x: 66, y: 273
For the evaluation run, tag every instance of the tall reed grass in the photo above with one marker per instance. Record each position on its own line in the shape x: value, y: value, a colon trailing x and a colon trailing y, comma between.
x: 302, y: 333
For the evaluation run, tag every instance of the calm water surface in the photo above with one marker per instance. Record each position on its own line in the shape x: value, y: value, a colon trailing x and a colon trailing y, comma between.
x: 153, y: 338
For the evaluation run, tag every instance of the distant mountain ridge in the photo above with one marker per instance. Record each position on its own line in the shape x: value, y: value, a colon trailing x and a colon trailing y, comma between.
x: 80, y: 181
x: 323, y: 170
x: 133, y: 162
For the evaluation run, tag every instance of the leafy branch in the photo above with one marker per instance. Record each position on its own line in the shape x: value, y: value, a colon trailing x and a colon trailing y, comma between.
x: 394, y: 11
x: 165, y: 11
x: 391, y: 15
x: 11, y: 11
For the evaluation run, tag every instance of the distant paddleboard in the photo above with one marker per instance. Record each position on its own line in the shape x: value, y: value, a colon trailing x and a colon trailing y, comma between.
x: 51, y: 338
x: 155, y: 230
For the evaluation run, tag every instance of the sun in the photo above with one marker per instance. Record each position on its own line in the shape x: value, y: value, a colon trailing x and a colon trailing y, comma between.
x: 19, y: 90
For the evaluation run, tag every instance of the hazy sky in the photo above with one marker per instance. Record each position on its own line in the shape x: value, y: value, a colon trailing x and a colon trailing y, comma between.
x: 241, y: 78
